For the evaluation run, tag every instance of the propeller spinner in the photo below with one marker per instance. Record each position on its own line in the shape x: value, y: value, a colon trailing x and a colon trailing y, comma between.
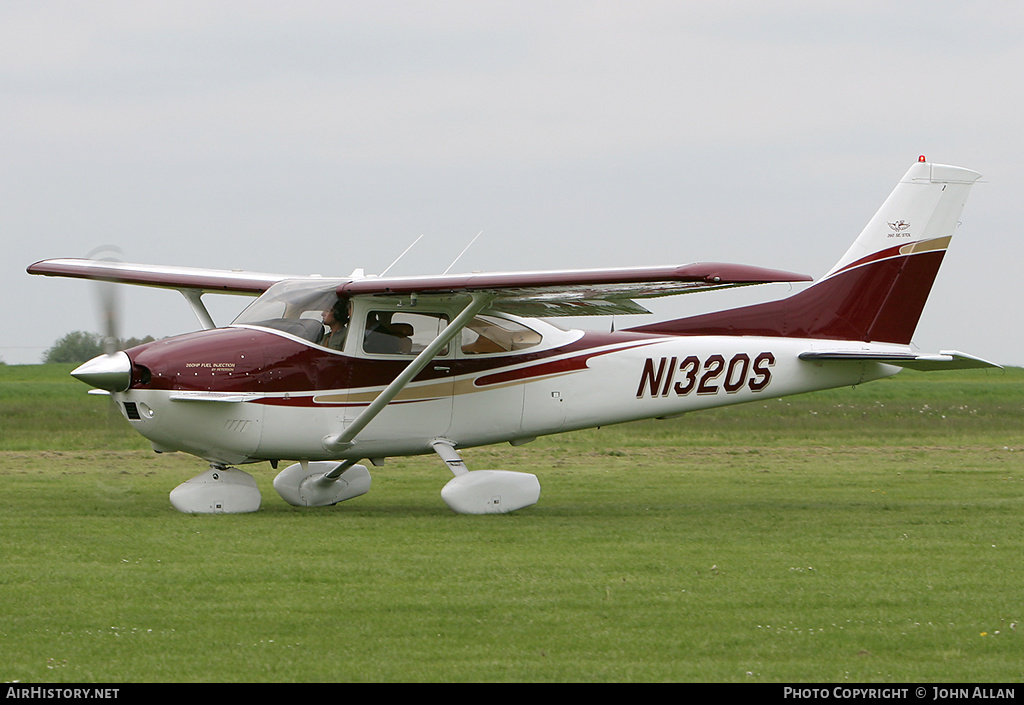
x: 110, y: 371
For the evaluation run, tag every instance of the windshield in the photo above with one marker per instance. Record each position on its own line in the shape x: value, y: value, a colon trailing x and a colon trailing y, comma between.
x: 294, y: 307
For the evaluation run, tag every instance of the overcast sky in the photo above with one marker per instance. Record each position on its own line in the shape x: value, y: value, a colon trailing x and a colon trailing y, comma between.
x: 320, y: 137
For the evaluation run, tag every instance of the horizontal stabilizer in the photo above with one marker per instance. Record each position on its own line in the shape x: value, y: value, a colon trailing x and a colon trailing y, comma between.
x: 945, y: 360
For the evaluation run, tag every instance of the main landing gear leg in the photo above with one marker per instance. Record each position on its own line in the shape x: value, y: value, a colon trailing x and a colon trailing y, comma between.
x: 322, y: 483
x: 219, y: 490
x: 484, y: 491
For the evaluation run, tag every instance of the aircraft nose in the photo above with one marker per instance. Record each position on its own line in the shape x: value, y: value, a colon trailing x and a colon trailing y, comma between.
x: 111, y: 372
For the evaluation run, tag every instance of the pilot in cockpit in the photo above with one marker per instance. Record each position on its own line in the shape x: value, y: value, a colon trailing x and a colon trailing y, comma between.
x: 336, y: 318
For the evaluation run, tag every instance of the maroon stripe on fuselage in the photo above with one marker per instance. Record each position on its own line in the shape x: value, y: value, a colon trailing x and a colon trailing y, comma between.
x: 879, y: 301
x: 251, y: 360
x: 552, y: 367
x: 310, y: 400
x: 875, y: 257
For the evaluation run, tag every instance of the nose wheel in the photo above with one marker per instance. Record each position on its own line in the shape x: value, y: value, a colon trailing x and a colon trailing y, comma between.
x: 219, y: 490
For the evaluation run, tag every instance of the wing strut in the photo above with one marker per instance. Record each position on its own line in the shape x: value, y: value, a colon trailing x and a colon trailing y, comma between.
x: 343, y: 440
x: 195, y: 300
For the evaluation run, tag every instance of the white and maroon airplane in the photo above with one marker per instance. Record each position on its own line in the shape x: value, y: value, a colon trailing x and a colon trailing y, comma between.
x: 434, y: 364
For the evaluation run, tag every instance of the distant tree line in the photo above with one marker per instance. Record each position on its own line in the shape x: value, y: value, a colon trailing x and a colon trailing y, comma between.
x: 80, y: 346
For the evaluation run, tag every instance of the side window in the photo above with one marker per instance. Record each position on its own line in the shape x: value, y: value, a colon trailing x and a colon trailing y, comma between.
x: 401, y: 332
x: 486, y: 334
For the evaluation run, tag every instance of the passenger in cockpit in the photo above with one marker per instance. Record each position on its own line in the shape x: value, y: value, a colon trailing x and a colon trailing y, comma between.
x: 337, y: 319
x: 384, y: 336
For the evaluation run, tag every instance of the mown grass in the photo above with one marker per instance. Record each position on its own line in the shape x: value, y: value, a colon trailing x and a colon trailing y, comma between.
x: 863, y: 535
x: 42, y: 407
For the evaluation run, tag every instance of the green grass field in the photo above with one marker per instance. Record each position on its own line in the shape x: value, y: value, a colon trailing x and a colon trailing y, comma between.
x: 866, y: 534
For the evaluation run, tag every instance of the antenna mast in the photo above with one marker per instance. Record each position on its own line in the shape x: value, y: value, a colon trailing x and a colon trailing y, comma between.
x: 463, y: 252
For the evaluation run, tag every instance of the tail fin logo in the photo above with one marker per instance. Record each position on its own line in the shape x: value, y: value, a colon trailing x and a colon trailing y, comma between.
x: 899, y: 229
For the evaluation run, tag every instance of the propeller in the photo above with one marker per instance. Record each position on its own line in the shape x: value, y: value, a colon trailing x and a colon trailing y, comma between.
x: 112, y: 370
x: 110, y: 306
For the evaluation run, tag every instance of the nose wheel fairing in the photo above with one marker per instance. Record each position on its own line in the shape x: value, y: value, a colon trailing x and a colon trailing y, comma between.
x: 219, y: 490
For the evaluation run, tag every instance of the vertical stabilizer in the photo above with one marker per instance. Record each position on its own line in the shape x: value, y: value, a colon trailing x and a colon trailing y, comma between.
x: 877, y: 290
x: 924, y: 208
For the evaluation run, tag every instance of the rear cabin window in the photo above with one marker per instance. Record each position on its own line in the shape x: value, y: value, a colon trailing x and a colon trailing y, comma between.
x: 487, y: 334
x: 401, y: 332
x: 406, y: 333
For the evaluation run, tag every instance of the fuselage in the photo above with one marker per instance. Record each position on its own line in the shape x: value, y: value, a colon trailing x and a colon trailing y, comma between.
x: 248, y: 393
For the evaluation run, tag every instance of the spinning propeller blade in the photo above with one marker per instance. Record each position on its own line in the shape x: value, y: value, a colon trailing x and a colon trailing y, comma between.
x: 111, y: 371
x: 109, y: 300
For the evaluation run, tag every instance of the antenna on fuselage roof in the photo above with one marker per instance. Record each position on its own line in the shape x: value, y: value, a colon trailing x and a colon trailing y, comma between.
x: 400, y: 256
x: 463, y: 252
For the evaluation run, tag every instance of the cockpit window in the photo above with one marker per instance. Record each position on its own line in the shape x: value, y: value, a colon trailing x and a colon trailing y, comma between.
x: 294, y: 307
x: 298, y: 307
x: 488, y: 334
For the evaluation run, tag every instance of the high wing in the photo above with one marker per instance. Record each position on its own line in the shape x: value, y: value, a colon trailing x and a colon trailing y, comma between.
x: 192, y: 282
x: 204, y: 281
x: 580, y: 292
x: 551, y: 293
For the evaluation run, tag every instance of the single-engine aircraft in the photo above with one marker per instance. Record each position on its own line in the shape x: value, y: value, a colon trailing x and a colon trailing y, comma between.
x: 328, y: 372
